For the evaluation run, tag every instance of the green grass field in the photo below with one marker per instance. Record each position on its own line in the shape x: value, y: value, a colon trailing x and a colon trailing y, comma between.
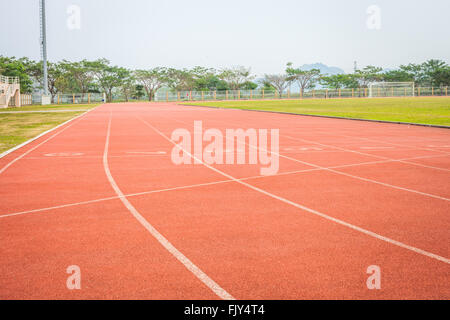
x: 434, y: 111
x: 16, y: 128
x: 52, y: 107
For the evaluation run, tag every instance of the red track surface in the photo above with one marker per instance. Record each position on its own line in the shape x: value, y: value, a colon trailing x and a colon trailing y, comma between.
x: 310, y: 234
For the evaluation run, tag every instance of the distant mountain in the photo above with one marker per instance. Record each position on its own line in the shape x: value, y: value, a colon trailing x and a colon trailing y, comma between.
x: 324, y: 69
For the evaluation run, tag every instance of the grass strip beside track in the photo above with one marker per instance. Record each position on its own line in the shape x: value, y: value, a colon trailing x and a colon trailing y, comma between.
x: 51, y: 107
x: 432, y: 111
x: 18, y: 128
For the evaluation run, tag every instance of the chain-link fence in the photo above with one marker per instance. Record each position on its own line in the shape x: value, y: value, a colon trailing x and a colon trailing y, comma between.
x: 261, y: 94
x: 258, y: 94
x: 71, y: 98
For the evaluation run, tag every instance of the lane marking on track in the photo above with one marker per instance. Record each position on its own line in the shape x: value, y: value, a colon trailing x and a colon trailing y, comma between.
x: 147, y: 152
x: 304, y: 149
x: 196, y: 271
x: 340, y: 172
x: 197, y: 185
x: 64, y: 154
x: 375, y: 148
x: 73, y: 121
x: 294, y: 204
x: 367, y: 154
x: 93, y: 157
x: 394, y: 144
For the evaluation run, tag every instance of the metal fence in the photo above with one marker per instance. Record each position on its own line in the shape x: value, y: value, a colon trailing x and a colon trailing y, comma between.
x: 71, y: 98
x: 258, y: 94
x: 261, y: 94
x: 25, y: 100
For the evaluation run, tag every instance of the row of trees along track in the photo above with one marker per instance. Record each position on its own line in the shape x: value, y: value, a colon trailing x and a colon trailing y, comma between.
x: 98, y: 76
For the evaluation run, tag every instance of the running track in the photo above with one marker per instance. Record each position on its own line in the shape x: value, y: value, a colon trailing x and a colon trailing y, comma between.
x: 102, y: 193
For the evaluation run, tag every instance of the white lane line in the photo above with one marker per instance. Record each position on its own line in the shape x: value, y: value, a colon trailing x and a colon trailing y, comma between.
x: 394, y: 144
x: 197, y: 185
x: 368, y: 154
x: 338, y: 221
x: 203, y: 277
x: 37, y: 137
x: 340, y: 172
x: 147, y: 152
x: 358, y: 177
x: 376, y: 148
x: 93, y: 157
x: 113, y: 198
x: 64, y: 154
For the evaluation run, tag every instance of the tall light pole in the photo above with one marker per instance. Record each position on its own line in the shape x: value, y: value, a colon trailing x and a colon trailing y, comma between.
x: 43, y: 45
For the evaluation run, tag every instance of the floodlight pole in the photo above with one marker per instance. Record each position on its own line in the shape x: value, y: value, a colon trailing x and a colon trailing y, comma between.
x: 44, y: 46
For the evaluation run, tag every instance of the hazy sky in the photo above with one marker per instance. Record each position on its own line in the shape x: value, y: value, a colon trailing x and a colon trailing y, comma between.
x: 262, y: 34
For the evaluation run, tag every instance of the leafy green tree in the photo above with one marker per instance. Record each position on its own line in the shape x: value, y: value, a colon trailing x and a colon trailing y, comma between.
x: 249, y: 85
x: 80, y: 75
x: 432, y: 70
x: 138, y: 91
x: 306, y: 79
x: 278, y: 81
x: 339, y: 81
x: 108, y: 77
x: 236, y: 77
x: 367, y: 75
x: 414, y: 72
x: 441, y: 77
x: 57, y: 77
x: 180, y: 80
x: 12, y: 67
x: 152, y: 80
x: 399, y: 75
x: 266, y: 86
x: 128, y: 86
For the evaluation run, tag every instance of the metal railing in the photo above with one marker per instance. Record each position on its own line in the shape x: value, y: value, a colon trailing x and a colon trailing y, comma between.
x: 9, y: 80
x: 260, y: 94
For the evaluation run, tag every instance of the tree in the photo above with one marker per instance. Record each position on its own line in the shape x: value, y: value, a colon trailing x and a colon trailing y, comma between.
x: 80, y: 74
x: 152, y: 80
x: 249, y: 85
x: 180, y: 80
x: 305, y: 79
x: 338, y: 81
x: 442, y: 76
x: 367, y: 75
x: 429, y: 73
x: 138, y: 91
x: 414, y: 72
x: 128, y: 86
x: 399, y: 75
x: 236, y: 77
x: 108, y: 77
x: 58, y: 79
x: 12, y: 67
x: 432, y: 70
x: 279, y: 81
